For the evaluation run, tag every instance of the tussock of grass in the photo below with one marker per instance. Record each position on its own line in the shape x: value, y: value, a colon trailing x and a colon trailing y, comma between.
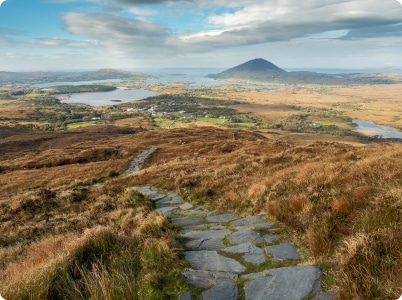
x: 123, y: 251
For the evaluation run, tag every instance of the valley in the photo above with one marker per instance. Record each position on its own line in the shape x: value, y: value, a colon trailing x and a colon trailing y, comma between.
x: 71, y: 224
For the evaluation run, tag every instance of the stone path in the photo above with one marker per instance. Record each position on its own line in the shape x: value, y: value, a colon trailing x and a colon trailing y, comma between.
x: 137, y: 162
x: 225, y: 249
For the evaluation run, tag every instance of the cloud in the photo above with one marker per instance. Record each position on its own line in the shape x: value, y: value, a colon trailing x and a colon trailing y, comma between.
x: 152, y: 2
x: 247, y: 22
x: 121, y: 34
x: 2, y: 1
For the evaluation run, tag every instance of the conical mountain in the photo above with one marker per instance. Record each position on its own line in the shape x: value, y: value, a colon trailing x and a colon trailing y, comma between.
x: 256, y: 68
x: 256, y: 65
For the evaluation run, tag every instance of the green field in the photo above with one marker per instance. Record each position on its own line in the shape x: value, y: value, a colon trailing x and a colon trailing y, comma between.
x: 83, y: 124
x: 212, y: 120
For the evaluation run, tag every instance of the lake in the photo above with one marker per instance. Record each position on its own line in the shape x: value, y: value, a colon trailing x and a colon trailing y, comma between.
x: 84, y: 82
x: 372, y: 129
x: 120, y: 95
x: 194, y: 76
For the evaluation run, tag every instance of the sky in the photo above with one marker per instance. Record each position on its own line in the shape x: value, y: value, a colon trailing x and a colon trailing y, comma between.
x: 134, y: 34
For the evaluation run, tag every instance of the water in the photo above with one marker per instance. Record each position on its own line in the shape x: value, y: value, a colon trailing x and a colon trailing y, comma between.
x: 121, y: 95
x: 84, y: 82
x: 372, y: 129
x: 195, y: 78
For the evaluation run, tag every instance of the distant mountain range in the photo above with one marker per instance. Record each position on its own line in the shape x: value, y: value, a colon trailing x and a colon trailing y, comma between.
x: 261, y: 70
x: 42, y: 77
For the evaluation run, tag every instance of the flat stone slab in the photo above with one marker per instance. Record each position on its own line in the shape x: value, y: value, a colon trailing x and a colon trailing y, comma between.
x: 287, y: 283
x: 256, y: 259
x: 206, y: 234
x: 144, y: 189
x: 209, y: 226
x: 268, y: 238
x: 186, y: 206
x: 248, y: 220
x: 244, y: 248
x: 185, y: 296
x: 168, y: 202
x: 173, y: 194
x: 283, y: 251
x: 225, y: 290
x: 205, y: 244
x: 166, y: 211
x: 155, y: 196
x: 204, y: 279
x: 212, y: 261
x: 244, y: 236
x: 222, y: 218
x: 193, y: 212
x: 187, y: 221
x: 265, y: 225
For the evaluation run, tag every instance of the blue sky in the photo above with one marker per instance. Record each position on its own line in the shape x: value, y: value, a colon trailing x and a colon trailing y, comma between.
x: 131, y: 34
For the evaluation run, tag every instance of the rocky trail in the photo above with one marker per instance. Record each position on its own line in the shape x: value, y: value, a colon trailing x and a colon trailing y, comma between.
x: 235, y: 257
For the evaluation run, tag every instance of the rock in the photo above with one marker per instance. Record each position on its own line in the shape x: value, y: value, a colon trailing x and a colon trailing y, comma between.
x: 266, y: 225
x: 325, y: 296
x: 258, y: 275
x: 244, y: 248
x: 168, y: 202
x: 193, y: 212
x: 206, y: 244
x: 212, y: 261
x: 206, y: 234
x: 155, y: 196
x: 270, y: 238
x: 185, y: 296
x: 256, y: 259
x: 208, y: 226
x: 222, y: 218
x: 166, y: 211
x: 187, y: 221
x: 283, y: 251
x: 244, y: 236
x: 287, y: 283
x: 186, y: 206
x: 225, y: 290
x: 204, y: 279
x: 248, y: 220
x: 137, y: 162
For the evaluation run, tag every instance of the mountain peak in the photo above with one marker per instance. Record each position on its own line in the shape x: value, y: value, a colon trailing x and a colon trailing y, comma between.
x: 257, y: 65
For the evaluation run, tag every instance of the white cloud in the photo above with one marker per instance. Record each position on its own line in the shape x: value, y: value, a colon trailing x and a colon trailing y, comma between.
x: 142, y: 12
x: 256, y: 23
x: 2, y: 1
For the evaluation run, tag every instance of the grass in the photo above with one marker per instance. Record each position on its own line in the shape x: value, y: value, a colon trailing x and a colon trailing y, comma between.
x: 82, y: 124
x: 124, y: 249
x: 58, y: 234
x: 212, y: 120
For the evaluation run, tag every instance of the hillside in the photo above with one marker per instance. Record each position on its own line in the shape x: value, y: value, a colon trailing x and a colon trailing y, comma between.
x: 69, y: 216
x: 43, y: 77
x: 262, y: 71
x: 73, y: 223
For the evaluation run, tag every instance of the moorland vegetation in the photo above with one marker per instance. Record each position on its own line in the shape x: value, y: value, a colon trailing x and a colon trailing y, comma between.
x: 72, y: 226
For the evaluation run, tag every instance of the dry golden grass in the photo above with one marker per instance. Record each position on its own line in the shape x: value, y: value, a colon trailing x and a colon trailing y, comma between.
x: 343, y: 202
x: 85, y: 243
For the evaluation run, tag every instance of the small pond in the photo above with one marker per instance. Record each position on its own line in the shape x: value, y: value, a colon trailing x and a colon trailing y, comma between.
x: 372, y: 129
x: 120, y: 95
